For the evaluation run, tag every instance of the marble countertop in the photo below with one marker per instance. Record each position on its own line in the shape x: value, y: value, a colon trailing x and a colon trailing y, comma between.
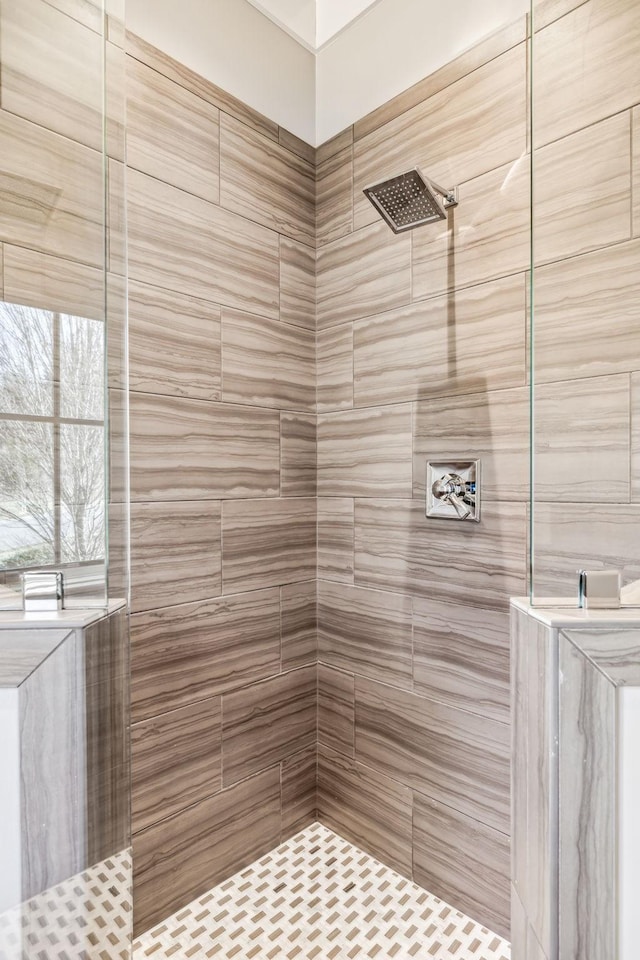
x: 556, y: 614
x: 52, y: 619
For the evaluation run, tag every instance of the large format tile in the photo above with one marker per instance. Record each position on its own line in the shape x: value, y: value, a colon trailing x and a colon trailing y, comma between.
x: 172, y: 134
x: 361, y: 274
x: 52, y: 70
x: 397, y: 548
x: 175, y: 553
x: 582, y: 188
x: 635, y: 437
x: 586, y: 315
x: 336, y: 709
x: 635, y: 188
x: 298, y: 454
x: 474, y: 125
x: 469, y: 343
x: 176, y: 761
x: 298, y: 791
x: 334, y: 359
x: 454, y: 757
x: 334, y: 196
x: 197, y: 650
x: 297, y: 283
x: 267, y: 722
x: 267, y: 542
x: 51, y: 192
x: 40, y: 280
x: 174, y: 861
x: 213, y: 440
x: 267, y: 362
x: 187, y: 244
x: 365, y: 632
x: 298, y: 624
x: 336, y: 539
x: 174, y: 343
x: 492, y: 427
x: 486, y: 236
x: 463, y: 862
x: 365, y: 453
x: 572, y: 92
x: 330, y: 147
x: 366, y: 807
x: 461, y: 656
x: 265, y: 182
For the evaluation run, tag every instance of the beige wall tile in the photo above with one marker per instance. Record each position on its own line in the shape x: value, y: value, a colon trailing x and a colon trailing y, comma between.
x: 175, y: 553
x: 298, y: 454
x: 40, y: 280
x: 451, y: 756
x: 193, y: 651
x: 486, y: 236
x: 635, y: 188
x: 461, y: 656
x: 474, y: 125
x: 52, y: 192
x: 172, y: 134
x: 267, y: 722
x: 1, y: 268
x: 546, y: 11
x: 212, y: 439
x: 52, y: 71
x: 397, y: 548
x: 177, y: 761
x: 586, y: 321
x: 173, y: 858
x: 267, y: 362
x: 265, y: 543
x: 635, y: 436
x: 365, y: 453
x: 297, y: 283
x: 336, y: 709
x: 492, y: 427
x: 365, y: 807
x: 85, y: 11
x: 334, y: 196
x: 330, y: 147
x: 444, y: 346
x: 582, y: 189
x: 361, y: 274
x: 582, y: 439
x: 475, y: 876
x: 367, y: 632
x: 572, y: 92
x: 263, y: 181
x: 334, y: 358
x: 298, y: 791
x: 335, y: 539
x: 174, y: 343
x: 295, y: 145
x: 117, y: 224
x: 186, y: 244
x: 298, y: 624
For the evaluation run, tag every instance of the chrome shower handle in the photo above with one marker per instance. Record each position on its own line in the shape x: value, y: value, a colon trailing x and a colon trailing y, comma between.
x: 453, y: 490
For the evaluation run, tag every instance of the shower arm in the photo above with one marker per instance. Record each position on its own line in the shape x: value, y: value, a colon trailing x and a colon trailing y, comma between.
x: 450, y: 196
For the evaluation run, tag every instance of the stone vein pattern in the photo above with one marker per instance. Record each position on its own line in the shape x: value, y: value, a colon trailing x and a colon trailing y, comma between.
x: 319, y: 896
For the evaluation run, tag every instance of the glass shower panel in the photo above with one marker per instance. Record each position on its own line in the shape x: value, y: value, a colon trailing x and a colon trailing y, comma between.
x: 585, y: 294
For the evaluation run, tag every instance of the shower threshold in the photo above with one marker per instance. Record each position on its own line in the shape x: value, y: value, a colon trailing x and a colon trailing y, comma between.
x: 318, y: 897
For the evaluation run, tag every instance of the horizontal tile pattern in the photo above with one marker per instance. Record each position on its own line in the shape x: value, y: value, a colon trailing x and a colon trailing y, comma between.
x: 213, y: 440
x: 635, y: 159
x: 438, y: 348
x: 366, y: 632
x: 334, y: 196
x: 635, y: 434
x: 297, y: 283
x: 174, y: 343
x: 265, y: 182
x: 175, y: 553
x: 298, y: 791
x: 365, y: 452
x: 267, y: 722
x: 454, y: 757
x: 298, y: 455
x: 361, y: 274
x: 476, y: 878
x: 461, y: 657
x: 336, y: 709
x: 186, y: 244
x: 334, y: 358
x: 298, y: 624
x: 366, y: 807
x: 335, y: 539
x: 398, y: 548
x: 330, y: 147
x: 266, y: 362
x: 193, y: 651
x: 265, y: 543
x: 173, y: 857
x: 40, y: 280
x: 177, y: 761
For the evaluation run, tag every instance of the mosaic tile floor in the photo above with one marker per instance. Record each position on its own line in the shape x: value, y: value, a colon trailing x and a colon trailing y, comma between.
x: 318, y: 897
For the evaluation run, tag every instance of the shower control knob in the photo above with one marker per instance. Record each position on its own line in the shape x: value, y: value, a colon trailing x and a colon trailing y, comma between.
x: 452, y: 489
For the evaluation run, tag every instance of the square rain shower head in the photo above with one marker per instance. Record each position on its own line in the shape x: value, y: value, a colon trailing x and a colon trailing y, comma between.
x: 409, y: 200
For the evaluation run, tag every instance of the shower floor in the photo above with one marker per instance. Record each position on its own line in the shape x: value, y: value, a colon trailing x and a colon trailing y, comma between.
x: 318, y: 897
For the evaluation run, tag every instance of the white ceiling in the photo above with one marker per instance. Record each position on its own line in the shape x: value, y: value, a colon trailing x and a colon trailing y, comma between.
x: 313, y: 23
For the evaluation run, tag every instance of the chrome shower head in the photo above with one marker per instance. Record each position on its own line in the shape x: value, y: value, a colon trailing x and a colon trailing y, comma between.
x: 411, y: 199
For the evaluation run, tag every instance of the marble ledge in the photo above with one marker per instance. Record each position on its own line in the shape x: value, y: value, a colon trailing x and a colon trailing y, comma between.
x: 53, y: 619
x: 561, y: 613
